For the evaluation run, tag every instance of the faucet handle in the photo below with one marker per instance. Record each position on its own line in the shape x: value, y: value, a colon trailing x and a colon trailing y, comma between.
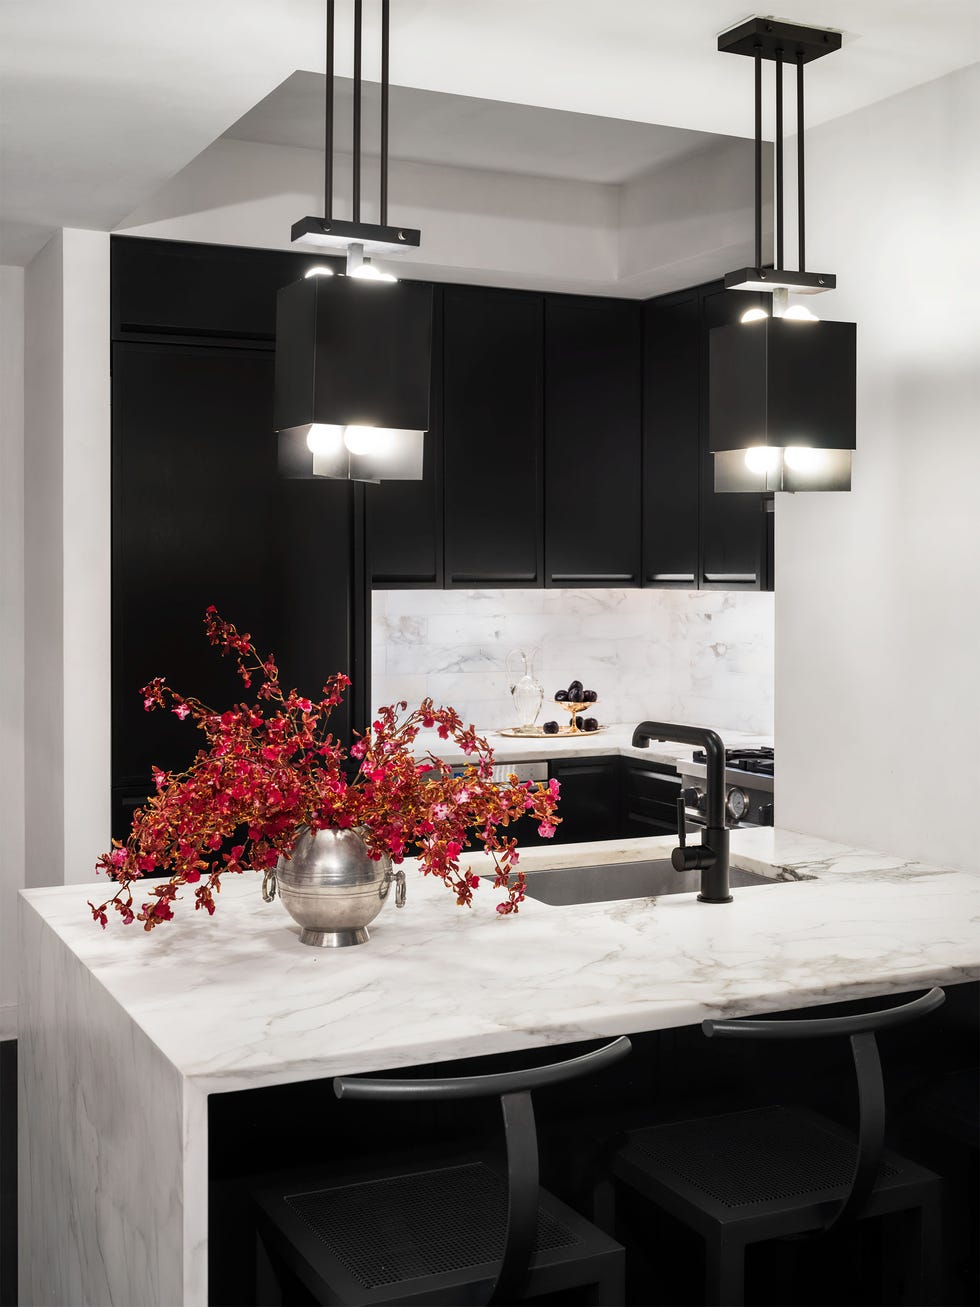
x: 681, y: 821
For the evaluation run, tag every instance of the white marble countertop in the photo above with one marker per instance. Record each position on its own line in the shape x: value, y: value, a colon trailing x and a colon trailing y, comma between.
x: 236, y: 1002
x: 615, y: 740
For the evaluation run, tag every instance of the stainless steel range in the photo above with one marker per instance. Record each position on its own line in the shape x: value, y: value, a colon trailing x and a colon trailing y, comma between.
x: 748, y: 786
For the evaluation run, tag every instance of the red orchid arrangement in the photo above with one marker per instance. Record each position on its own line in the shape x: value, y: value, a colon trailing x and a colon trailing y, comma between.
x: 271, y: 767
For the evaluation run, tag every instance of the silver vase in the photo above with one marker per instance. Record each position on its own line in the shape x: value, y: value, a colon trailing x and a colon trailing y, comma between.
x: 332, y: 887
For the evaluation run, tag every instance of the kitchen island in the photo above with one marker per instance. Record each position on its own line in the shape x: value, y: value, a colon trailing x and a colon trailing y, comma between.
x: 124, y: 1035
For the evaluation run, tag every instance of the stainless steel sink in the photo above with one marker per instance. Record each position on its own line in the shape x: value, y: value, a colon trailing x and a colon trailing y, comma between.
x: 563, y: 886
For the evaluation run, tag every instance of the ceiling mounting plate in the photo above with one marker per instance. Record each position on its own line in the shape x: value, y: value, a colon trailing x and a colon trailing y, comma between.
x: 338, y: 234
x: 785, y: 41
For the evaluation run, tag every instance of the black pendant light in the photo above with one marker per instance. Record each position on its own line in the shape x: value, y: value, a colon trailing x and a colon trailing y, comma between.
x: 353, y: 347
x: 782, y: 385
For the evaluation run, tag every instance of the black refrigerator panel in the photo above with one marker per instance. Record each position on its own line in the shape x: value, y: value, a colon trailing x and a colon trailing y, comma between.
x: 200, y: 516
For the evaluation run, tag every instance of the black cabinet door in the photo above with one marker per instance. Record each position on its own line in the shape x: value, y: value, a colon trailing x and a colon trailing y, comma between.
x: 492, y: 407
x: 200, y: 516
x: 733, y: 526
x: 650, y: 792
x: 671, y: 444
x: 589, y: 802
x: 593, y: 407
x: 405, y: 518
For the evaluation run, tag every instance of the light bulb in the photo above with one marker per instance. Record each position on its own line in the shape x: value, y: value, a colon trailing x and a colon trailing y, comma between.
x: 800, y: 313
x: 763, y: 459
x: 753, y: 315
x: 803, y: 458
x: 323, y: 439
x: 367, y: 440
x: 368, y: 272
x: 318, y: 271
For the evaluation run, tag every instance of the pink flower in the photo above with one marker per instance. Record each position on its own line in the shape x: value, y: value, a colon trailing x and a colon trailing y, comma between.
x: 118, y: 857
x: 546, y: 830
x: 453, y: 849
x: 304, y: 704
x: 182, y: 711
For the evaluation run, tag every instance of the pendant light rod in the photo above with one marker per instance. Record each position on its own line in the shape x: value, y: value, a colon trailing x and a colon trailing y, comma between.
x: 328, y: 119
x: 385, y: 25
x: 800, y: 185
x: 779, y: 159
x: 758, y: 156
x: 760, y: 39
x: 356, y: 179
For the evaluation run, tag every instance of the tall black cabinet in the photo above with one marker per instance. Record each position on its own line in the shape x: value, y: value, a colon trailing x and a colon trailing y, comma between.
x: 199, y: 513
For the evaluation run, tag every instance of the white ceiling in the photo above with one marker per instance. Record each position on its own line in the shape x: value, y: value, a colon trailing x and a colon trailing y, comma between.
x: 464, y: 132
x: 102, y: 101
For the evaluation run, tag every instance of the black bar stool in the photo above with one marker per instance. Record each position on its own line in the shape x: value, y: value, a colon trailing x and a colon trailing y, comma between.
x: 779, y: 1172
x: 453, y: 1234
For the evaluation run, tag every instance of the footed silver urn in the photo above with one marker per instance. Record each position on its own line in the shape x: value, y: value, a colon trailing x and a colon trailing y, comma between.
x: 332, y: 887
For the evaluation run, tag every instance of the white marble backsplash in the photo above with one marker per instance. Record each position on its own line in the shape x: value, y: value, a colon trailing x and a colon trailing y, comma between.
x: 704, y: 657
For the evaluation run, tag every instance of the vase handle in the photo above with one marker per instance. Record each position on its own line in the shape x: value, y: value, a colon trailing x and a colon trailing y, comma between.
x: 400, y: 888
x: 269, y: 885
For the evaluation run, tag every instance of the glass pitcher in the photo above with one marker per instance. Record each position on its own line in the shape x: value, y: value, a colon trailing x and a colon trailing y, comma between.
x: 526, y: 692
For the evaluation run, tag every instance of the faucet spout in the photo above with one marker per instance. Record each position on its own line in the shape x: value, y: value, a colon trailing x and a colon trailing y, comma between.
x: 711, y: 856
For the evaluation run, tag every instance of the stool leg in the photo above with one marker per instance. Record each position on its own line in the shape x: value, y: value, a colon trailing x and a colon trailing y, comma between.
x: 724, y: 1277
x: 604, y: 1205
x: 610, y: 1288
x: 268, y: 1291
x: 921, y: 1230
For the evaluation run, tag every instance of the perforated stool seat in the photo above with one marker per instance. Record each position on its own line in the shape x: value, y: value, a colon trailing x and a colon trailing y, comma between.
x: 461, y: 1233
x: 777, y: 1172
x: 426, y: 1236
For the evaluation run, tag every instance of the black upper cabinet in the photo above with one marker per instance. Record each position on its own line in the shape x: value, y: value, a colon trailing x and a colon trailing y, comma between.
x: 181, y: 289
x: 593, y: 407
x: 492, y: 415
x: 733, y: 526
x: 404, y: 518
x: 671, y: 448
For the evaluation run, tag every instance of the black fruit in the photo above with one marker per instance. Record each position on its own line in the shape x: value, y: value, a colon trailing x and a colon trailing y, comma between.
x: 574, y: 685
x: 589, y: 696
x: 576, y: 696
x: 550, y: 728
x: 561, y: 696
x: 590, y: 724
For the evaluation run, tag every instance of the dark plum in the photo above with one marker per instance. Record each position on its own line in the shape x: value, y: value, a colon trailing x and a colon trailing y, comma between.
x: 550, y: 728
x: 561, y: 696
x: 589, y: 696
x: 589, y: 724
x: 574, y: 685
x: 576, y: 696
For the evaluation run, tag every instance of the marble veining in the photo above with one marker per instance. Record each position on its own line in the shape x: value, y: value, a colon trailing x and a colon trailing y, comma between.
x: 696, y: 656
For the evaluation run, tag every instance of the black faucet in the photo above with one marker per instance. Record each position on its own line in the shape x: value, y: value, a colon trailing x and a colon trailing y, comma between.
x: 710, y: 857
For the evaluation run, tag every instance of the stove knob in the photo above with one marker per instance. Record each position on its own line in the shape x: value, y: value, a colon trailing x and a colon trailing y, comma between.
x: 765, y: 814
x: 737, y: 803
x: 695, y: 798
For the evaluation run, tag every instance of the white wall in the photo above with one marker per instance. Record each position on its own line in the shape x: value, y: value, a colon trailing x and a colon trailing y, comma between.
x: 705, y: 658
x: 689, y: 220
x: 66, y: 488
x: 878, y: 591
x: 11, y: 629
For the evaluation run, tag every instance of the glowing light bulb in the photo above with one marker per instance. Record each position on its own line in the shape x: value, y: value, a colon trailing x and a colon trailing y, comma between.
x: 367, y: 440
x: 368, y: 272
x: 800, y: 313
x: 803, y: 458
x: 753, y: 315
x: 763, y: 459
x: 318, y: 271
x: 323, y: 439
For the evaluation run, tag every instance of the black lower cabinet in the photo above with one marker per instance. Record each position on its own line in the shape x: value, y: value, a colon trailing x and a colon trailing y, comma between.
x: 589, y: 804
x: 650, y: 791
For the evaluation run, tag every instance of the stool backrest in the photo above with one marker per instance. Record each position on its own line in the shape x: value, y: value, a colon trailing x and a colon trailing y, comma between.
x: 513, y: 1088
x: 861, y: 1029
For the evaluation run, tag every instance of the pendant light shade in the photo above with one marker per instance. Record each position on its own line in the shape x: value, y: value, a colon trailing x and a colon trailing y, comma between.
x: 353, y: 351
x: 353, y: 366
x: 782, y: 388
x: 781, y: 404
